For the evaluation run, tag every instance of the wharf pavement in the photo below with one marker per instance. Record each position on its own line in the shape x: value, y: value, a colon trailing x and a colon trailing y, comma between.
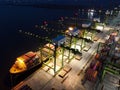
x: 42, y: 80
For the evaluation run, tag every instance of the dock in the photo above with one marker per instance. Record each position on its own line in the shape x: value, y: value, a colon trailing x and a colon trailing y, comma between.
x: 69, y: 77
x: 65, y: 79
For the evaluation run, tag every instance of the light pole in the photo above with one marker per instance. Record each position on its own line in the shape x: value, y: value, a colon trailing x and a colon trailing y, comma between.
x: 55, y: 57
x: 62, y: 45
x: 76, y: 21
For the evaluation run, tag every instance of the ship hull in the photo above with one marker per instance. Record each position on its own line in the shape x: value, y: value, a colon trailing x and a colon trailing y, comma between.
x: 25, y: 62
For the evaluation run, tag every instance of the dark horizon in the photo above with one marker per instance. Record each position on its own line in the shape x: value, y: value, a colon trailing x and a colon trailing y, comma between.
x: 65, y: 4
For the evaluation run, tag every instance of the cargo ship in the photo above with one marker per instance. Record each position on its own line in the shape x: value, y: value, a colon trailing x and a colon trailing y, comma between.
x: 25, y: 62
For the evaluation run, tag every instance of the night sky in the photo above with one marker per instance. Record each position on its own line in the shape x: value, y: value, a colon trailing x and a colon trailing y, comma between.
x: 67, y: 1
x: 87, y: 3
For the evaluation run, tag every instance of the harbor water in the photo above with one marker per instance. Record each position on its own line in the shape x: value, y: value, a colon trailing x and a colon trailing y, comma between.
x: 14, y: 44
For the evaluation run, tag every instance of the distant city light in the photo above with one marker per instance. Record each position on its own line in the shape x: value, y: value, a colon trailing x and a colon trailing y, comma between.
x: 107, y: 12
x: 90, y: 13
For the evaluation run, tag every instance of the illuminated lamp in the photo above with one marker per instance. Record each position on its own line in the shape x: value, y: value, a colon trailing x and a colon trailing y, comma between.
x: 99, y: 27
x: 70, y: 28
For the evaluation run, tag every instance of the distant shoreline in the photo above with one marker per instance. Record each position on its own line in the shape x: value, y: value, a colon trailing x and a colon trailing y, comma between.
x: 60, y: 6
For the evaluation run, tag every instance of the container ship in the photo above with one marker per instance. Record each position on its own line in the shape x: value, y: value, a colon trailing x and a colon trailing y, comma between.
x: 32, y: 59
x: 25, y: 62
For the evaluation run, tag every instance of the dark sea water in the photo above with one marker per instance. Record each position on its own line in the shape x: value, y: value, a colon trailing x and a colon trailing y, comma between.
x: 12, y: 43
